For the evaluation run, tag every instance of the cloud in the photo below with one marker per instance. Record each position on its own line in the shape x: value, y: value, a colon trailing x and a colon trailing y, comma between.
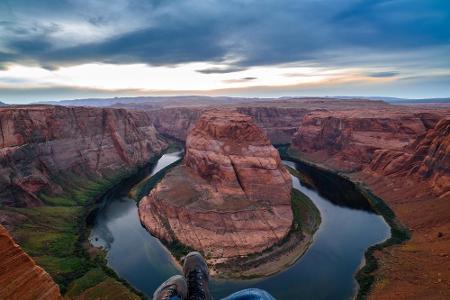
x: 437, y: 86
x: 5, y: 58
x: 239, y: 80
x: 249, y: 33
x: 383, y: 74
x: 171, y: 44
x: 410, y: 37
x: 225, y: 70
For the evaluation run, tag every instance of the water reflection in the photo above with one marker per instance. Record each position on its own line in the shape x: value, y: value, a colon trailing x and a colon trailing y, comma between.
x: 326, y: 271
x: 133, y: 253
x: 336, y: 189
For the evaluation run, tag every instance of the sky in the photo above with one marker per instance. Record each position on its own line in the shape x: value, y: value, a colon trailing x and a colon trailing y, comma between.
x: 65, y: 49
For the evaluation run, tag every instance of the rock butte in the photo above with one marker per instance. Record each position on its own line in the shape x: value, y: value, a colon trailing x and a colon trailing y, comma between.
x: 231, y: 195
x: 20, y: 277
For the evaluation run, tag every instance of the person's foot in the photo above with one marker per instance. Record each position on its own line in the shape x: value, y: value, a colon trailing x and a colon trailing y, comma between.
x: 173, y: 288
x: 197, y: 277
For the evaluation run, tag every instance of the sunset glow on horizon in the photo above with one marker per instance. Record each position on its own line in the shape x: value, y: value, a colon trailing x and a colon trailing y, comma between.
x: 51, y: 50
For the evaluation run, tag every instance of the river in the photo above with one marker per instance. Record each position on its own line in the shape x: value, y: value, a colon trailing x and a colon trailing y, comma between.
x: 326, y: 271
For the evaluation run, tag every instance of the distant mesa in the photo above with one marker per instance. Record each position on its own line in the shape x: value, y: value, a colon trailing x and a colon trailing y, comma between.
x: 229, y: 198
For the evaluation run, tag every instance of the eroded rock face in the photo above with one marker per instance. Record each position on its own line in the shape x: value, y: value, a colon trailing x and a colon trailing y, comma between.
x: 39, y: 145
x: 348, y: 140
x: 394, y: 144
x: 406, y: 162
x: 231, y: 196
x: 20, y: 277
x: 175, y: 122
x: 278, y: 123
x: 427, y: 158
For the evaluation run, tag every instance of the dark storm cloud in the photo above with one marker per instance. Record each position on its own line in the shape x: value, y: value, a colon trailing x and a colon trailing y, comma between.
x: 242, y: 33
x: 28, y: 29
x: 396, y: 24
x: 170, y: 44
x: 5, y: 58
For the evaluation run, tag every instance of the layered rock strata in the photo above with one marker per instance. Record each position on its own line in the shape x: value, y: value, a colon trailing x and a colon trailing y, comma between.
x: 348, y: 140
x: 40, y: 145
x: 279, y: 119
x: 20, y: 277
x: 403, y: 156
x: 231, y: 195
x: 278, y: 123
x: 427, y: 158
x: 404, y: 145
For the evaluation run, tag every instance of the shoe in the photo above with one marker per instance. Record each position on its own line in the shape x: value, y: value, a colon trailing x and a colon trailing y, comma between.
x: 172, y: 288
x: 197, y: 276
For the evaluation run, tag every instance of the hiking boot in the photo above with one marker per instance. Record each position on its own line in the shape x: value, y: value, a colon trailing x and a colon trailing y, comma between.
x: 173, y: 288
x: 197, y: 277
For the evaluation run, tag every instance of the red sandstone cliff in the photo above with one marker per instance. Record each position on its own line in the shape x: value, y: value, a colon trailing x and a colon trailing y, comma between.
x: 403, y: 156
x: 39, y: 145
x: 231, y: 197
x: 347, y: 140
x: 394, y: 144
x: 428, y: 158
x: 20, y: 277
x: 416, y: 184
x: 278, y: 123
x: 175, y: 122
x: 280, y: 119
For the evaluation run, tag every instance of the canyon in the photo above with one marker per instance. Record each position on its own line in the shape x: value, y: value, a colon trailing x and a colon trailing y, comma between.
x: 399, y: 152
x: 54, y: 160
x: 404, y: 158
x: 279, y: 119
x: 39, y: 143
x: 230, y: 197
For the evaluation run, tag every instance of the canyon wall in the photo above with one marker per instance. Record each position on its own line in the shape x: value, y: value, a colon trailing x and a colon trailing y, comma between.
x: 231, y: 196
x: 175, y: 122
x: 20, y: 277
x: 393, y: 144
x: 41, y: 145
x: 279, y: 118
x: 403, y: 156
x: 348, y: 140
x: 278, y: 123
x: 427, y: 158
x: 54, y: 161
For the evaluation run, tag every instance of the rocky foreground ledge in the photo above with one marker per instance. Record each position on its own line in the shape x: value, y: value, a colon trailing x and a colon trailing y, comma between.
x: 20, y: 277
x: 230, y: 198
